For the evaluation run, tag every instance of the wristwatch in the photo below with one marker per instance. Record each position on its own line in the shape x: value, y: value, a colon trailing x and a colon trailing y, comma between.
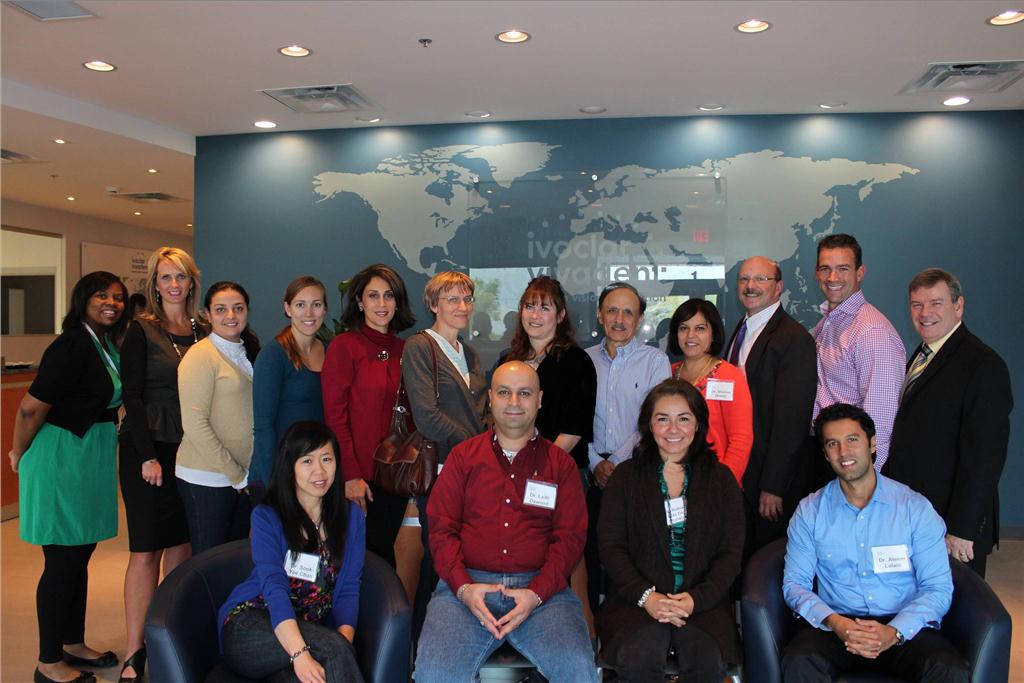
x: 899, y: 638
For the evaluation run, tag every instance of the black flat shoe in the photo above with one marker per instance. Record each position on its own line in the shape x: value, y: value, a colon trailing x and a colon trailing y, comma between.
x: 138, y: 662
x: 83, y: 677
x: 104, y: 661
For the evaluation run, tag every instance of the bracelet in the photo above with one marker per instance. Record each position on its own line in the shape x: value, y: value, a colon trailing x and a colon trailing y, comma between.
x: 643, y: 598
x: 461, y: 591
x: 293, y: 657
x: 151, y: 460
x: 539, y: 600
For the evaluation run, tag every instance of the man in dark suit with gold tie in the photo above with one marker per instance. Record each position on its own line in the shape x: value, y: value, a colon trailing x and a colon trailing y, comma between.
x: 779, y: 358
x: 950, y: 437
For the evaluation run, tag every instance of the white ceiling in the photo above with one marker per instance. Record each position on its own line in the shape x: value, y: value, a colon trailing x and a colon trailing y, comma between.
x: 196, y: 68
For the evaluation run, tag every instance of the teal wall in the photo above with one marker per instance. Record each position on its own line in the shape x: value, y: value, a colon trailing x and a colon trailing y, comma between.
x: 672, y: 204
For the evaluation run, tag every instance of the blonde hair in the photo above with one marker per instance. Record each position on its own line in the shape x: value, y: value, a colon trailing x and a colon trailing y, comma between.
x: 180, y: 259
x: 444, y: 282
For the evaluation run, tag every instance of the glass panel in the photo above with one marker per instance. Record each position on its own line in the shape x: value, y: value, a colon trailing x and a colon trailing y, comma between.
x: 31, y: 283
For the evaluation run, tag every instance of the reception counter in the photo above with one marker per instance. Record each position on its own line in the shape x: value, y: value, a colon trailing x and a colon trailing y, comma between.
x: 15, y: 386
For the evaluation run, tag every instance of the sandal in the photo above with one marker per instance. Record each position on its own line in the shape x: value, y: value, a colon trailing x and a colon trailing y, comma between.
x: 138, y: 662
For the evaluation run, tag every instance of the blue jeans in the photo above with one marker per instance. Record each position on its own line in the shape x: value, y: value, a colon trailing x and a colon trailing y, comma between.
x: 215, y: 514
x: 453, y: 645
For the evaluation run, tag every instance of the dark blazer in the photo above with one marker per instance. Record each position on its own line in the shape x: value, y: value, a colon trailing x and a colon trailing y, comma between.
x: 73, y: 379
x: 633, y: 541
x: 783, y: 378
x: 456, y: 412
x: 950, y: 437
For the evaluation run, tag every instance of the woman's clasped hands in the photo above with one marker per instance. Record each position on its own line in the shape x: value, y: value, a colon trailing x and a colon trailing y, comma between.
x: 671, y: 608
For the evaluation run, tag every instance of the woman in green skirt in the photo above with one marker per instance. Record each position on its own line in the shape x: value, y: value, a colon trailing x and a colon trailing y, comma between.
x: 65, y: 452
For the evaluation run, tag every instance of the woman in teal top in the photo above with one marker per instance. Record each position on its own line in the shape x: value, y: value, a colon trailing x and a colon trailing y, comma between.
x: 65, y: 453
x: 286, y: 376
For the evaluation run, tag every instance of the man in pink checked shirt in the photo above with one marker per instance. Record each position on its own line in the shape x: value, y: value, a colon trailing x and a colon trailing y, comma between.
x: 861, y: 358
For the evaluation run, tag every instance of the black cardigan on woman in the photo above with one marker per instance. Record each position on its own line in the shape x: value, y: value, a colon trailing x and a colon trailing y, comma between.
x: 75, y: 381
x: 633, y: 540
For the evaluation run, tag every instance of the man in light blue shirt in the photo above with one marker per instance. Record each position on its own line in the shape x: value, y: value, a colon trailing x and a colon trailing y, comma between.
x: 878, y: 551
x: 626, y: 371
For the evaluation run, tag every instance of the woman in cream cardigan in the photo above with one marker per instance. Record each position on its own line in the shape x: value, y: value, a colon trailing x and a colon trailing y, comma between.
x: 215, y: 389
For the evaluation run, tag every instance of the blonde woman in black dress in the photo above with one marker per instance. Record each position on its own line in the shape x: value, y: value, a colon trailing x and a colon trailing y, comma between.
x: 153, y: 346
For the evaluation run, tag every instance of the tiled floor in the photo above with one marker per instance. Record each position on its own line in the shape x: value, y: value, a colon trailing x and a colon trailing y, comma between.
x: 21, y: 564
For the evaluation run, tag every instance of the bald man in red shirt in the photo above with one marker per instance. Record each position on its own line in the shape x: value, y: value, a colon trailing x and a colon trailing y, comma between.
x: 507, y: 525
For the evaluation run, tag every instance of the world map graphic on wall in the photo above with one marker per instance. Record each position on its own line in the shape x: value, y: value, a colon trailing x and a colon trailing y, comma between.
x: 671, y: 231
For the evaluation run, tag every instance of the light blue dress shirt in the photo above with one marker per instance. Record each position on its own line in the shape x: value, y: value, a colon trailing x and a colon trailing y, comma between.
x: 622, y: 384
x: 832, y: 539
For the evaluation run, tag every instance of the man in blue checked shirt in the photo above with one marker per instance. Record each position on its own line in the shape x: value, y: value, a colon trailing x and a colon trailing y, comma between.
x: 878, y: 550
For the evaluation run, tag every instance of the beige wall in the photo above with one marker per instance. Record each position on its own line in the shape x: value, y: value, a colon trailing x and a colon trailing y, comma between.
x: 75, y: 229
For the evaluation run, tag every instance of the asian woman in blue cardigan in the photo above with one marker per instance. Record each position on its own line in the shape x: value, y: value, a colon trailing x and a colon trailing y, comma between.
x: 297, y: 610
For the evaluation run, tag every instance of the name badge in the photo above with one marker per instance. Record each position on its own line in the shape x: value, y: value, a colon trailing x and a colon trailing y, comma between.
x: 719, y: 390
x: 301, y: 565
x: 540, y: 494
x: 675, y: 511
x: 890, y: 558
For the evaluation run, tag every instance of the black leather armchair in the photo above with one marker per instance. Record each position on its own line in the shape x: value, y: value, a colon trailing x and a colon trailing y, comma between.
x: 977, y: 624
x: 181, y: 626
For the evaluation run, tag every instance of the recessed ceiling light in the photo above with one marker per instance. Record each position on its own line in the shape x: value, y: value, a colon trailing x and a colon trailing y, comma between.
x: 753, y: 26
x: 512, y: 36
x: 479, y: 114
x: 97, y: 65
x: 59, y: 141
x: 152, y: 170
x: 138, y: 213
x: 1010, y: 16
x: 71, y: 199
x: 593, y: 109
x: 265, y: 124
x: 368, y: 119
x: 711, y: 107
x: 295, y: 51
x: 832, y: 105
x: 957, y: 101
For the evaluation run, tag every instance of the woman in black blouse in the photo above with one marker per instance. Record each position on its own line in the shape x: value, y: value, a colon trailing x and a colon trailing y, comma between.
x: 65, y: 453
x: 545, y: 340
x: 152, y: 349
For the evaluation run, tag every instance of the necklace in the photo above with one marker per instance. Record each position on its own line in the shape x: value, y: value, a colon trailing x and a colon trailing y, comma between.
x: 705, y: 369
x: 195, y: 338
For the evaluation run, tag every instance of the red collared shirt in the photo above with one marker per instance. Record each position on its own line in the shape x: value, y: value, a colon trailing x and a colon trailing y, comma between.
x: 478, y: 520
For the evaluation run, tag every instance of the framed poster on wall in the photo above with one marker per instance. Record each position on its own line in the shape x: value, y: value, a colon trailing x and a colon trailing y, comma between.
x: 128, y: 263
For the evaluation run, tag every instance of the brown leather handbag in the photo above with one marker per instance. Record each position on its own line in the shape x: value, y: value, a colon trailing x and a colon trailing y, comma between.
x: 406, y: 462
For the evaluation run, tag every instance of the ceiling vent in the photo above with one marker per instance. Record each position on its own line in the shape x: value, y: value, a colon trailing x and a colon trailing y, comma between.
x: 966, y: 77
x: 51, y: 10
x: 147, y: 197
x: 11, y: 157
x: 322, y: 99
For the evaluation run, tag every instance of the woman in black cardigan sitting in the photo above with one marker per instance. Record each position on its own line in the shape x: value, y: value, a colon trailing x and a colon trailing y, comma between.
x: 671, y: 534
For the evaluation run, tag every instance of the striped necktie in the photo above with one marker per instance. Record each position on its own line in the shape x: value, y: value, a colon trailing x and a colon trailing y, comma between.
x: 916, y: 368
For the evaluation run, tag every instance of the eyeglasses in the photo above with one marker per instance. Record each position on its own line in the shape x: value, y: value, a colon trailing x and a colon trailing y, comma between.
x: 454, y: 300
x: 759, y: 279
